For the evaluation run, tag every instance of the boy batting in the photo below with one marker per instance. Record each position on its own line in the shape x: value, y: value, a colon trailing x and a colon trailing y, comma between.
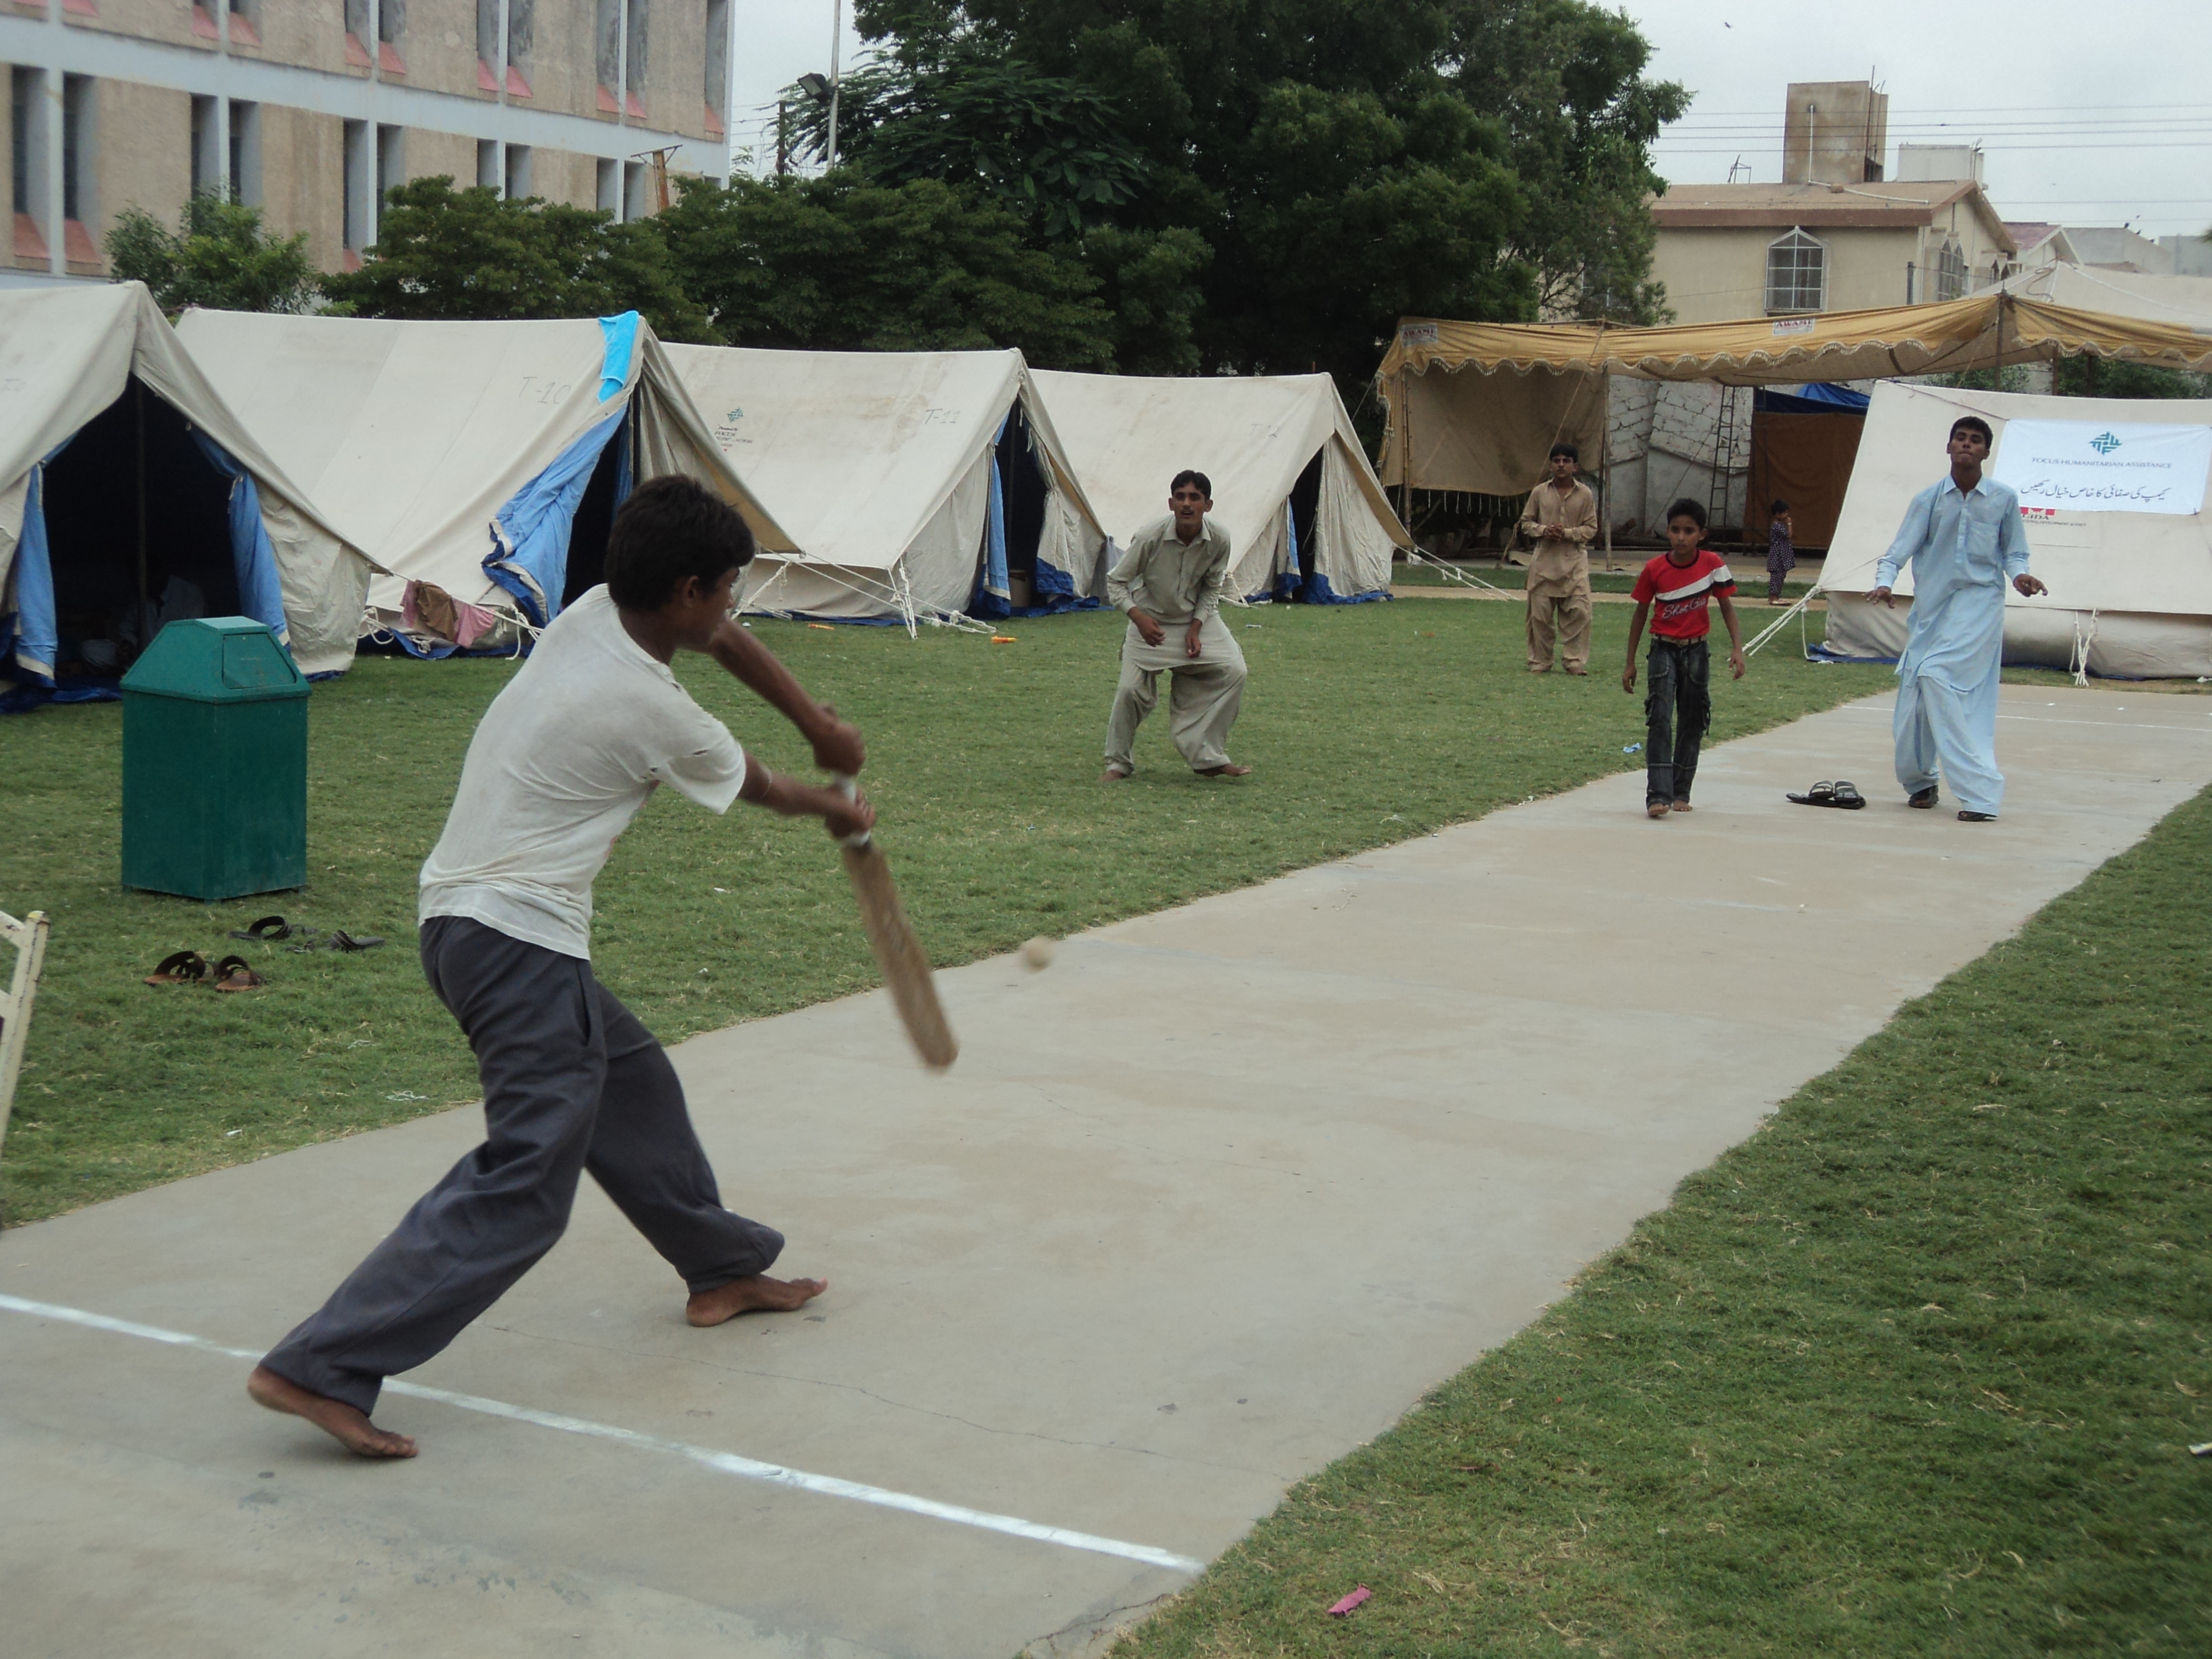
x: 561, y: 762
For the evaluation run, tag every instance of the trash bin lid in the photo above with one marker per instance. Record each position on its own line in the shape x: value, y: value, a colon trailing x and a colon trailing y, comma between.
x: 216, y: 659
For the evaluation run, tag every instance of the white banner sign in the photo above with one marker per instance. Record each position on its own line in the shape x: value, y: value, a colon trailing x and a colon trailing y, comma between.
x: 2089, y: 467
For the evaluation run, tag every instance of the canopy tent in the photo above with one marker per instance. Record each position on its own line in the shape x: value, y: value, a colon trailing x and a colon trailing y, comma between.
x: 1305, y: 513
x: 482, y: 458
x: 918, y: 483
x: 2185, y: 301
x: 1510, y: 390
x: 2130, y: 591
x: 130, y: 495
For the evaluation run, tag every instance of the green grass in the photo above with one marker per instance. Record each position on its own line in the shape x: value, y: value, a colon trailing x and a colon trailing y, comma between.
x: 1367, y: 724
x: 1913, y: 1370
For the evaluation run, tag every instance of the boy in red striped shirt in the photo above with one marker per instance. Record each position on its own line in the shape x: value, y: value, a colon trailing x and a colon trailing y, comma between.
x: 1679, y: 704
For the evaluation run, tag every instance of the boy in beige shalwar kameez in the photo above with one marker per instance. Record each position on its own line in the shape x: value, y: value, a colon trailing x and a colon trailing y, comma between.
x: 1169, y: 583
x: 1561, y: 518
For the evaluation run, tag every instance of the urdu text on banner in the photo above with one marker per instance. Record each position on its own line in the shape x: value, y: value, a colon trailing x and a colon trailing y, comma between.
x: 2096, y: 466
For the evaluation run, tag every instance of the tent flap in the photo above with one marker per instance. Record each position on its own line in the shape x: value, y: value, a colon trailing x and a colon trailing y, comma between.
x: 530, y: 533
x: 253, y: 556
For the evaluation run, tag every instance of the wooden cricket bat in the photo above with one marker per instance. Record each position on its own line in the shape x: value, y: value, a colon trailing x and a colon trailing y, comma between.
x: 898, y: 951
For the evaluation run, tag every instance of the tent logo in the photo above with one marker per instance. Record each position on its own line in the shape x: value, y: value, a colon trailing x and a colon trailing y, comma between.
x: 734, y: 417
x: 2103, y: 443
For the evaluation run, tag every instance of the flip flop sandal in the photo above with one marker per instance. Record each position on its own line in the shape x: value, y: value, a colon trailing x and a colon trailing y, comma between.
x: 1848, y: 796
x: 338, y: 940
x: 232, y: 974
x: 1977, y: 817
x: 1921, y: 797
x: 1820, y: 794
x: 270, y: 929
x: 183, y: 968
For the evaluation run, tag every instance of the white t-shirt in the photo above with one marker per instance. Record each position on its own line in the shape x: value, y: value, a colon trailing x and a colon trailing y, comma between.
x: 560, y: 764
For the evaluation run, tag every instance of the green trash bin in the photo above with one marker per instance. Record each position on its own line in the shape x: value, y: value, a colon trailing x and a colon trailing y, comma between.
x: 215, y: 763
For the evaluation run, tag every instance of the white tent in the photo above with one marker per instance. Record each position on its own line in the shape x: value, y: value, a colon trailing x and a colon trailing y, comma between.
x: 131, y: 495
x: 1303, y: 507
x: 2186, y: 301
x: 917, y: 484
x: 462, y: 454
x: 2130, y: 591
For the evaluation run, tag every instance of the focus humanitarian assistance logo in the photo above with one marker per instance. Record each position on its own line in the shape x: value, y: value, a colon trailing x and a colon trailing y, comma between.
x: 2103, y: 443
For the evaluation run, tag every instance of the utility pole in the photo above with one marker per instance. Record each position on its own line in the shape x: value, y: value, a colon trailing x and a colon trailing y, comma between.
x: 836, y: 37
x: 783, y: 141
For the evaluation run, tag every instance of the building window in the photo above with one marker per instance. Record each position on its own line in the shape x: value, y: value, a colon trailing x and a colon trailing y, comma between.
x: 609, y: 187
x: 607, y: 45
x: 77, y: 147
x: 521, y: 36
x: 1796, y: 273
x: 518, y: 172
x: 633, y: 70
x: 1950, y: 271
x: 508, y: 64
x: 244, y: 157
x: 718, y: 64
x: 391, y: 30
x: 633, y: 205
x: 490, y: 174
x: 391, y: 169
x: 358, y: 29
x: 23, y: 135
x: 360, y: 226
x: 205, y: 173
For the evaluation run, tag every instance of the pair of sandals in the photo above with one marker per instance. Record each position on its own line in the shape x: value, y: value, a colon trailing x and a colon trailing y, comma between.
x: 270, y: 930
x: 190, y: 968
x: 1841, y: 793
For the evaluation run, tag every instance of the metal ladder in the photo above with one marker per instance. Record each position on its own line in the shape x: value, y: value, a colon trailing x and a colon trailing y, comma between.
x: 1724, y: 427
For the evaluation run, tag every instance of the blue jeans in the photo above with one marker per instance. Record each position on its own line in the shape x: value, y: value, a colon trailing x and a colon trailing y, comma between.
x: 1677, y: 706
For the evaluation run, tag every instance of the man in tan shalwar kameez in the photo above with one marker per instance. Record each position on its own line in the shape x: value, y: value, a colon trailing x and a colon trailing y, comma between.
x: 1561, y: 518
x: 1170, y: 582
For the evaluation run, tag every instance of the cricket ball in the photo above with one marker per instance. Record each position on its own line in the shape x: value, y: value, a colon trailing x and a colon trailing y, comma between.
x: 1037, y: 953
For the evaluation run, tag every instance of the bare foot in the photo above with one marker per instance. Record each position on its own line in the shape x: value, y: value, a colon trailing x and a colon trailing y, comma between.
x: 757, y: 1293
x: 345, y: 1424
x: 1684, y: 806
x: 1657, y: 809
x: 1232, y: 771
x: 1112, y: 775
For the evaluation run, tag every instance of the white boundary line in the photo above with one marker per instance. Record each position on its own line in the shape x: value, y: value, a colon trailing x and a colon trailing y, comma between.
x: 746, y: 1468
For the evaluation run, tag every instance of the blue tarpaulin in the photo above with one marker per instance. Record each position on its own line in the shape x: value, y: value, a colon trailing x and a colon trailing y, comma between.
x: 1819, y: 398
x: 530, y: 535
x: 254, y: 557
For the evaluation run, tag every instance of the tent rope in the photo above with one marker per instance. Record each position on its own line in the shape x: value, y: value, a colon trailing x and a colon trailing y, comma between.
x: 2078, y: 662
x: 1781, y: 622
x: 758, y: 605
x: 1466, y: 578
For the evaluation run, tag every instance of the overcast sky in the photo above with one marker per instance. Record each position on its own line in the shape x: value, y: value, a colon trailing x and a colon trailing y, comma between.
x: 2088, y: 114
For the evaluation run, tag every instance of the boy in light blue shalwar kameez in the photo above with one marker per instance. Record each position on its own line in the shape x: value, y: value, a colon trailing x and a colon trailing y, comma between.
x: 1964, y: 539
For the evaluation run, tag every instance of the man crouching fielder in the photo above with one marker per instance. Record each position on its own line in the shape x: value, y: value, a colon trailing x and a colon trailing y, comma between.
x: 1170, y: 582
x: 1964, y: 539
x: 561, y: 762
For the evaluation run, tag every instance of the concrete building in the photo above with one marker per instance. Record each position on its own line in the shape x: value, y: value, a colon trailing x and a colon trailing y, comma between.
x: 1836, y: 234
x: 311, y: 109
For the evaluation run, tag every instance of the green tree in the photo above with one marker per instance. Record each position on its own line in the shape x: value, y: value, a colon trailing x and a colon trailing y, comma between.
x: 1050, y: 148
x: 443, y: 253
x: 1565, y: 77
x: 842, y: 264
x: 1347, y: 161
x: 2109, y: 377
x: 220, y: 256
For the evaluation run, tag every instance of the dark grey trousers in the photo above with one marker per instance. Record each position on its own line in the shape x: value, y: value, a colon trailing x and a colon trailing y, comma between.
x: 572, y: 1082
